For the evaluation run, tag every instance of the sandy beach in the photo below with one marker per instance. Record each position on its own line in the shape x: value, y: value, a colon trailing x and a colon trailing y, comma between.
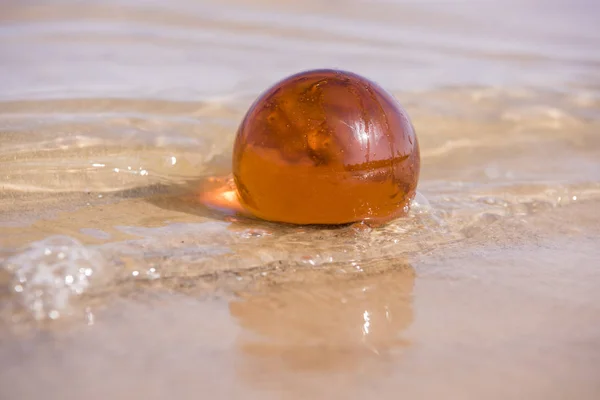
x: 115, y: 281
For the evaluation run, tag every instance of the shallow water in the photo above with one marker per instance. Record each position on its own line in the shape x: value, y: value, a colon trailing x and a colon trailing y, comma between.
x: 116, y: 282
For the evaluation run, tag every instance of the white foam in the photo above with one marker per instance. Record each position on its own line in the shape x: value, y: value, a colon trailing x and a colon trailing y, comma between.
x: 48, y: 274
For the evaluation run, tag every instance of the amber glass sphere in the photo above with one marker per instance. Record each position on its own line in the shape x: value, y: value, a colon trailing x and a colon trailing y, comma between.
x: 326, y: 147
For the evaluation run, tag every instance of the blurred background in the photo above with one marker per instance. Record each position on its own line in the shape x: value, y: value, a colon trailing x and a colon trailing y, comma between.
x: 184, y: 49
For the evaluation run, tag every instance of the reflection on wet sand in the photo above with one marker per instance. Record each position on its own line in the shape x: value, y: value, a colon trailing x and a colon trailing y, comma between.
x: 349, y: 322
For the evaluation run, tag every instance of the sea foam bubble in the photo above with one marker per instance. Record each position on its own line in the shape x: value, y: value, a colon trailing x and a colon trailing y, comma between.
x: 48, y: 274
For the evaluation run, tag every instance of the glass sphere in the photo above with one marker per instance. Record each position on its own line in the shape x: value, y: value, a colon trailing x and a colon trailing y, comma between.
x: 326, y: 147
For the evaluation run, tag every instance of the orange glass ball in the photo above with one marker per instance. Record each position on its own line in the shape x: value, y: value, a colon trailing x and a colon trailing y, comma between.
x: 326, y: 147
